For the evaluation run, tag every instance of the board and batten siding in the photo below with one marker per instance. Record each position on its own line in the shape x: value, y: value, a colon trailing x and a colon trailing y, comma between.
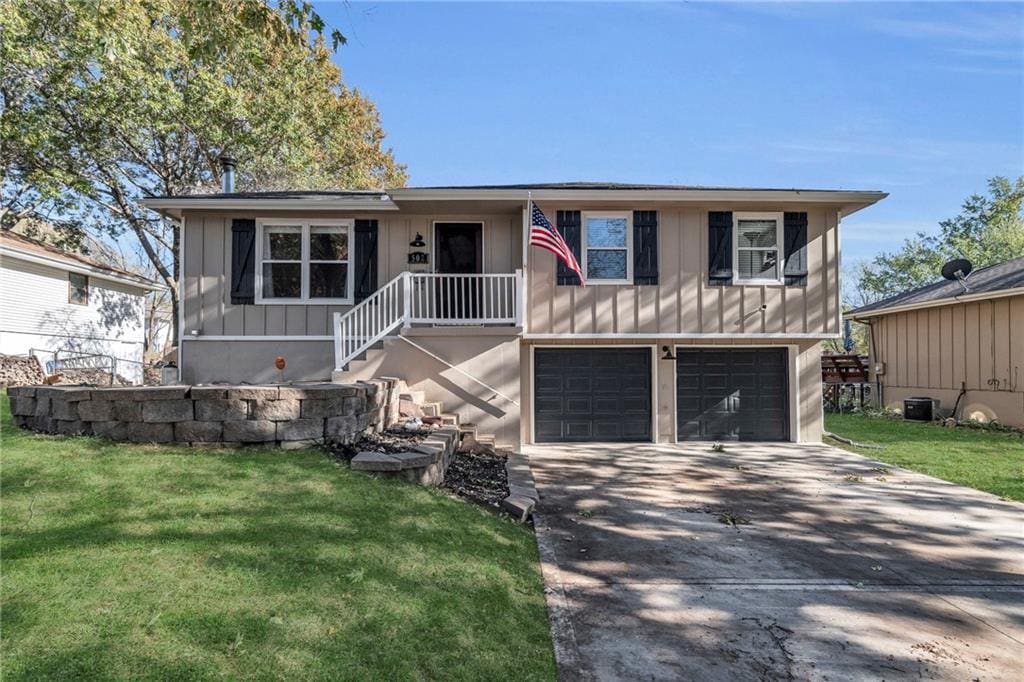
x: 979, y: 343
x: 206, y: 297
x: 684, y: 302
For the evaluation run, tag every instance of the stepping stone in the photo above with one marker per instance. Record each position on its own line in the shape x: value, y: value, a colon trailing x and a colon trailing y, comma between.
x: 414, y: 460
x: 518, y: 508
x: 375, y: 461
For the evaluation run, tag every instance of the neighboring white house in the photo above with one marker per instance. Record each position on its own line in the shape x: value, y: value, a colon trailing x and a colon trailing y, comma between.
x: 70, y: 310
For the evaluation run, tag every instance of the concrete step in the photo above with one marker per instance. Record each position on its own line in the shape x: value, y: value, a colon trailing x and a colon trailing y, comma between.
x: 418, y: 397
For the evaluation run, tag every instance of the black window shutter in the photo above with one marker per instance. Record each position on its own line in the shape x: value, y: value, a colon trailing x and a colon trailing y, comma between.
x: 365, y: 251
x: 568, y: 223
x: 645, y: 247
x: 795, y: 237
x: 243, y: 261
x: 720, y: 247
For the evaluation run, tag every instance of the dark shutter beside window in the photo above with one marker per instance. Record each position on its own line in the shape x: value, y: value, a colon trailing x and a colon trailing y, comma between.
x: 365, y: 256
x: 243, y: 261
x: 645, y: 247
x: 795, y: 238
x: 720, y: 247
x: 568, y: 223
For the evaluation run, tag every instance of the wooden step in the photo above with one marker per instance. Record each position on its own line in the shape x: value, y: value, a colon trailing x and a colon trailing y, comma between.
x: 485, y: 439
x: 432, y: 409
x: 467, y: 429
x: 450, y: 419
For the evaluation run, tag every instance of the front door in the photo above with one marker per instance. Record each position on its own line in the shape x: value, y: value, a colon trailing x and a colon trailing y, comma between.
x: 459, y: 249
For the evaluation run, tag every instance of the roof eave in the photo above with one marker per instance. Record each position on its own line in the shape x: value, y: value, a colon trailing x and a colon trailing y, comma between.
x: 173, y: 206
x: 854, y: 199
x: 78, y: 267
x: 951, y: 300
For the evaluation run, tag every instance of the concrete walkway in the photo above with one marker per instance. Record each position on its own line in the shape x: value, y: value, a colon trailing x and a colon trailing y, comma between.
x: 837, y: 568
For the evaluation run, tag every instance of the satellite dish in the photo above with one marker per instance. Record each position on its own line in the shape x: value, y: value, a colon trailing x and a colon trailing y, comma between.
x: 957, y: 270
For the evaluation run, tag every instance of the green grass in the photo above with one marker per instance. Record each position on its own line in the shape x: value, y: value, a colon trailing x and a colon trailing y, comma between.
x: 986, y: 460
x: 146, y: 562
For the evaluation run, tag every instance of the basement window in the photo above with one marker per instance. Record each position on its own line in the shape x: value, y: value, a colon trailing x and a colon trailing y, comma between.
x: 78, y: 289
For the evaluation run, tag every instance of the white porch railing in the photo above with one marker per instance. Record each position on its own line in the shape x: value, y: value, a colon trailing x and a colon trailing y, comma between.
x: 427, y: 298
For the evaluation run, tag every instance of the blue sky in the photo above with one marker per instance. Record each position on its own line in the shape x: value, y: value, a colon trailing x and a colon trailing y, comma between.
x: 924, y: 101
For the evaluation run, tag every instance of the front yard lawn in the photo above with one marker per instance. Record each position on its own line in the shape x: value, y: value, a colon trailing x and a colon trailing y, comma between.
x: 145, y: 562
x: 986, y: 460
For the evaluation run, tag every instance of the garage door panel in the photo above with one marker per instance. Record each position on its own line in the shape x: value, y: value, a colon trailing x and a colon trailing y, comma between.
x: 577, y: 406
x: 549, y: 404
x: 732, y: 394
x: 602, y: 394
x: 577, y: 384
x: 716, y: 381
x: 548, y: 382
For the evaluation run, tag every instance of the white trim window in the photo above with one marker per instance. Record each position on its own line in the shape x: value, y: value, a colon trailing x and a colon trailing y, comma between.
x: 607, y: 245
x: 304, y: 262
x: 757, y: 248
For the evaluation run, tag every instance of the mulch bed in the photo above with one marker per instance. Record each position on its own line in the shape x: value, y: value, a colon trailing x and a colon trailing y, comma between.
x: 477, y: 473
x: 388, y: 442
x: 479, y: 476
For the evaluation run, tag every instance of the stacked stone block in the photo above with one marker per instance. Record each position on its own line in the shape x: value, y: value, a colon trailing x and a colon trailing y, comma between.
x: 288, y: 416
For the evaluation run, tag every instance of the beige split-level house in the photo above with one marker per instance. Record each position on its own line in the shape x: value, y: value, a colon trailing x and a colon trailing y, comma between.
x: 701, y: 317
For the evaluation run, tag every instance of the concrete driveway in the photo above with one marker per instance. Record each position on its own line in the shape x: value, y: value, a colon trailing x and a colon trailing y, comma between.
x: 838, y: 567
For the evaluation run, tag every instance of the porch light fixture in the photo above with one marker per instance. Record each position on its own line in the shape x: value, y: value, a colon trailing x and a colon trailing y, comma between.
x: 667, y: 350
x: 418, y: 242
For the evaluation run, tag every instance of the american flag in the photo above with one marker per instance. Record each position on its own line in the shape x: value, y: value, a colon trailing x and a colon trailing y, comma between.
x: 545, y: 236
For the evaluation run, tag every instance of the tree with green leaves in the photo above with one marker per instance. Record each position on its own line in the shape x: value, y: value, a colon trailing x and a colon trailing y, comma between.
x: 988, y: 230
x: 106, y: 102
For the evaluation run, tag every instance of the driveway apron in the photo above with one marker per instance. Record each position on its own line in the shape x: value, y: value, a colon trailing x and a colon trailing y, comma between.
x: 773, y: 562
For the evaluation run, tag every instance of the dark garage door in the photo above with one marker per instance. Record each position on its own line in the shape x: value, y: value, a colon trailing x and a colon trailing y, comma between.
x: 592, y: 394
x: 732, y: 394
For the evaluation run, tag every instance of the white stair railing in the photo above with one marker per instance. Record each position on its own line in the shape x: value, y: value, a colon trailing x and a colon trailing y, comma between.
x: 427, y: 298
x: 368, y: 322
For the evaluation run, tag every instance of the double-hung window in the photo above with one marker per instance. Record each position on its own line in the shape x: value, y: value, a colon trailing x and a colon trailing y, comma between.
x: 608, y: 248
x: 78, y: 288
x: 757, y: 244
x: 304, y: 262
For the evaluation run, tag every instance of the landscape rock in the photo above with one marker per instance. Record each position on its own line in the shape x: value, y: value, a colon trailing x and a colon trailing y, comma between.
x: 221, y: 410
x: 198, y: 432
x: 300, y: 429
x: 251, y: 431
x: 126, y: 411
x: 141, y: 432
x: 160, y: 411
x: 375, y: 461
x: 95, y: 410
x: 519, y: 508
x: 275, y: 410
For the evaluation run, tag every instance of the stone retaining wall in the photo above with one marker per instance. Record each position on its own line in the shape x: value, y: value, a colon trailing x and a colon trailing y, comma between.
x: 289, y: 416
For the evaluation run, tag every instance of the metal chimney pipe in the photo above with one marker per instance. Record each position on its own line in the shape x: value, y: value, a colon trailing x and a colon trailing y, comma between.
x: 227, y: 176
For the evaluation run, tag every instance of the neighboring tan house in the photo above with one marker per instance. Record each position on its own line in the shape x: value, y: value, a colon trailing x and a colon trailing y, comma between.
x: 70, y: 310
x: 701, y: 318
x: 939, y: 340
